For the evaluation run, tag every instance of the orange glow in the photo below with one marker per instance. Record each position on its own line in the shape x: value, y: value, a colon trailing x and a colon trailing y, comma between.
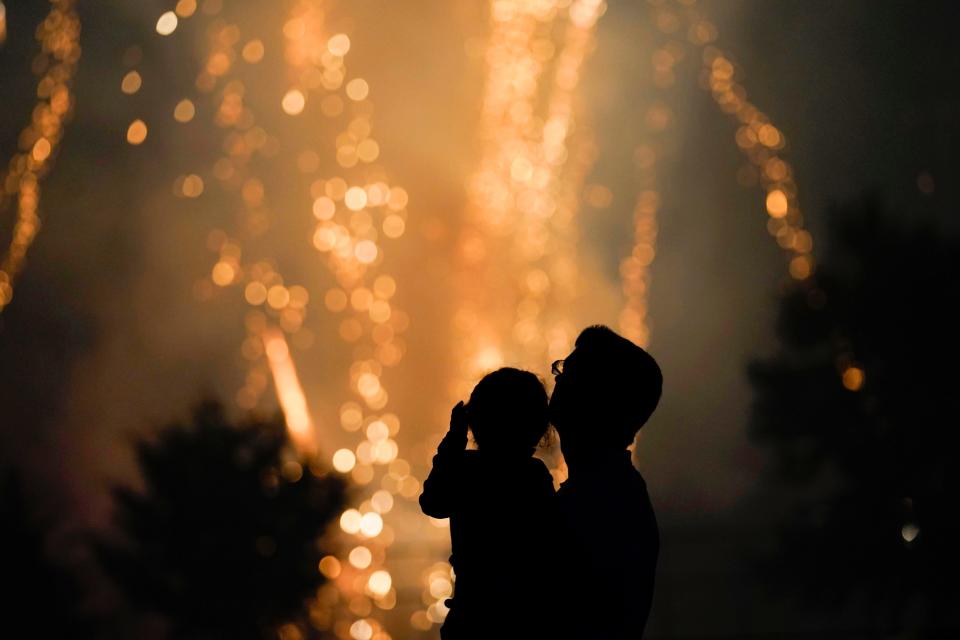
x: 58, y: 36
x: 131, y: 83
x: 853, y: 378
x: 289, y: 392
x: 186, y: 8
x: 360, y: 557
x: 184, y: 111
x: 167, y: 23
x: 777, y: 204
x: 137, y: 132
x: 293, y: 102
x: 330, y: 567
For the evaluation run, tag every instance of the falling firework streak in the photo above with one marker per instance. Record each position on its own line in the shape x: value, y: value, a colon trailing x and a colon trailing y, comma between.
x: 59, y: 37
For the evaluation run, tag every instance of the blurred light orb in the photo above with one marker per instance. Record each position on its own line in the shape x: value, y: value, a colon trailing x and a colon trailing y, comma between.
x: 377, y: 431
x: 293, y: 102
x: 278, y: 296
x: 355, y: 198
x: 440, y: 587
x: 398, y: 198
x: 360, y: 557
x: 41, y: 150
x: 361, y: 630
x: 253, y: 51
x: 324, y: 208
x: 371, y: 524
x: 382, y: 501
x: 777, y: 204
x: 184, y: 111
x: 167, y: 23
x: 361, y: 298
x: 344, y: 460
x: 330, y: 567
x: 186, y: 8
x: 255, y: 293
x: 384, y: 452
x: 380, y: 582
x: 131, y: 83
x: 801, y: 267
x: 420, y: 621
x: 350, y: 521
x: 368, y: 385
x: 192, y: 186
x: 394, y: 226
x: 368, y: 150
x: 137, y: 132
x: 339, y: 44
x: 366, y: 251
x: 223, y: 273
x: 909, y: 532
x: 853, y: 378
x: 358, y: 89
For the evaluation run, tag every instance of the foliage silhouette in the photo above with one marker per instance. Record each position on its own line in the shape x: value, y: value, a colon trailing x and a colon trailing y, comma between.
x: 225, y: 539
x: 875, y: 526
x: 42, y: 598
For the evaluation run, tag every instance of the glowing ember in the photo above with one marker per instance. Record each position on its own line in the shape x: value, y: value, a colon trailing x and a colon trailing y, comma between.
x: 289, y: 392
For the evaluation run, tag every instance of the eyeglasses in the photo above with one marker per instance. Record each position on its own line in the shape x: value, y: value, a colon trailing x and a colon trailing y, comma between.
x: 557, y: 367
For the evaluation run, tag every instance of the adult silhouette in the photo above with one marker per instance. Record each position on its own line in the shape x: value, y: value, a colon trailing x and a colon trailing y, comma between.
x: 605, y: 391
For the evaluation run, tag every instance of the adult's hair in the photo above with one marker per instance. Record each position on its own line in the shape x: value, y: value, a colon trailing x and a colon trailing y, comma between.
x: 508, y: 411
x: 619, y: 381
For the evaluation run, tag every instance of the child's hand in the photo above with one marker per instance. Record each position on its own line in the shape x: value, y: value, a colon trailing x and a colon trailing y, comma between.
x: 456, y: 438
x: 458, y: 419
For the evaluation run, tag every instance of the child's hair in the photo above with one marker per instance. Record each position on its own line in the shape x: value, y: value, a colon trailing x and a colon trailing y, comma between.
x: 508, y: 411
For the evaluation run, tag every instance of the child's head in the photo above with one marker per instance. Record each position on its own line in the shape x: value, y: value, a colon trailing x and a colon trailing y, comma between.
x: 508, y: 411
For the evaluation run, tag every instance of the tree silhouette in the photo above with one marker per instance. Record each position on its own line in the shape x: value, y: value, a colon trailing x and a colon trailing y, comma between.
x: 859, y: 410
x: 42, y: 598
x: 225, y: 539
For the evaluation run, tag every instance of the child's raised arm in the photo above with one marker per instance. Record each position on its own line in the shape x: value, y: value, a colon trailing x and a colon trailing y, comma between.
x: 441, y: 486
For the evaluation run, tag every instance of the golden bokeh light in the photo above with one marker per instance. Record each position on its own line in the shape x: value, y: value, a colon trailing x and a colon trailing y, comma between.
x: 350, y: 521
x: 777, y: 204
x: 357, y: 89
x: 344, y: 460
x: 186, y: 8
x: 360, y: 557
x: 253, y: 51
x: 371, y: 524
x: 41, y: 150
x: 184, y: 111
x: 137, y: 132
x: 853, y: 378
x: 330, y: 567
x: 167, y: 23
x: 380, y: 582
x: 293, y: 102
x: 339, y: 45
x: 131, y: 83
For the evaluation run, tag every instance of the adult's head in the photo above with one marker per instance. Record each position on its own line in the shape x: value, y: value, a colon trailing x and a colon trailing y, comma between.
x: 507, y: 412
x: 606, y: 390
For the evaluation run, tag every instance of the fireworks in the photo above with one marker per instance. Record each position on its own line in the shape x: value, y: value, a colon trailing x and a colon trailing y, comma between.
x: 516, y: 249
x: 59, y: 37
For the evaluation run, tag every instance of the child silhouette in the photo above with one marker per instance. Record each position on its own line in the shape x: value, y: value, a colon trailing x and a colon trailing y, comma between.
x: 500, y: 501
